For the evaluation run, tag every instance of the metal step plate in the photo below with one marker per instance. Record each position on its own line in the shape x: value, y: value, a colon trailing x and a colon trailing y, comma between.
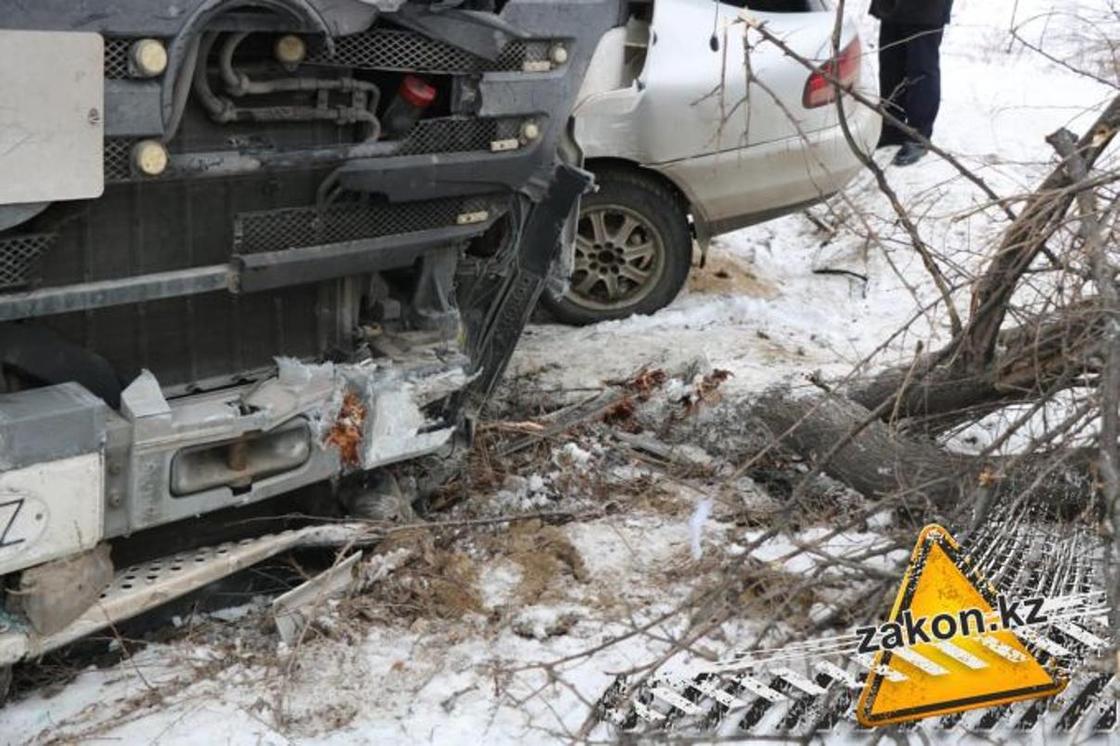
x: 140, y: 588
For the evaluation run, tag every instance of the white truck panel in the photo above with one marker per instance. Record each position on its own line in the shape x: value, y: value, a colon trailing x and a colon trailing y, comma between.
x: 52, y: 116
x: 50, y: 510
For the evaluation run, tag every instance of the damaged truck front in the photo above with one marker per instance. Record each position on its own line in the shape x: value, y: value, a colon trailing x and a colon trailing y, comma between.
x: 248, y: 246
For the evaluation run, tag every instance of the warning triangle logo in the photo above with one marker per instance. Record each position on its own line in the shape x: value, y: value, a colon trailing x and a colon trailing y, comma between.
x: 971, y: 662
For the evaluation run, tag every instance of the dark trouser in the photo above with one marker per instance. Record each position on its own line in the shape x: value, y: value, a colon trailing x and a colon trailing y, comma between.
x: 909, y: 78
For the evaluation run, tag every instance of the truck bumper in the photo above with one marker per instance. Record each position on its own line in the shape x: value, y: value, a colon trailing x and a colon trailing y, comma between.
x: 77, y: 473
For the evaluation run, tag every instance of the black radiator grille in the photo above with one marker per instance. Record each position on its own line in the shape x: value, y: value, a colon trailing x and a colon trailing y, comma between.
x: 383, y: 49
x: 295, y: 227
x: 118, y: 159
x: 451, y: 135
x: 387, y: 49
x: 20, y: 256
x: 169, y: 225
x: 116, y: 58
x: 439, y: 135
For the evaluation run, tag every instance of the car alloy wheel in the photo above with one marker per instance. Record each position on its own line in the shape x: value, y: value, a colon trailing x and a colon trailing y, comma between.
x: 632, y: 252
x: 619, y: 258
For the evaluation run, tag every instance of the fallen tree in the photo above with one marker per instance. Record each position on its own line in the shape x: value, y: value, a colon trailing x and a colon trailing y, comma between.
x: 877, y: 433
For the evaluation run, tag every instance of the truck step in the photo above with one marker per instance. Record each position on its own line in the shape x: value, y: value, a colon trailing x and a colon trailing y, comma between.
x: 145, y: 586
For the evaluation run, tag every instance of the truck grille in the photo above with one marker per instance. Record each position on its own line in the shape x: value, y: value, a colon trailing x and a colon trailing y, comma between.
x: 19, y: 257
x: 383, y: 49
x: 441, y: 135
x: 452, y: 135
x: 116, y: 58
x: 387, y: 49
x: 294, y: 227
x: 118, y: 159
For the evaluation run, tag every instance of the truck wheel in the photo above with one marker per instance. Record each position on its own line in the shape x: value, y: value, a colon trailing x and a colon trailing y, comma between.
x: 5, y: 683
x: 632, y: 255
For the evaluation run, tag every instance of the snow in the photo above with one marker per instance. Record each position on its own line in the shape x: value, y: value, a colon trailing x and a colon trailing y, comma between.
x: 230, y: 614
x: 498, y: 583
x: 453, y: 681
x: 523, y: 494
x: 543, y: 622
x: 785, y: 550
x: 696, y: 528
x: 572, y: 454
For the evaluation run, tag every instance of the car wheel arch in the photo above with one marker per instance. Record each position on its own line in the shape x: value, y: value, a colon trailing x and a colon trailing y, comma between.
x: 700, y: 225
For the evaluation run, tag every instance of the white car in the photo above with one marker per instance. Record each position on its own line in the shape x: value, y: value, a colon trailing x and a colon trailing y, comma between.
x: 681, y: 152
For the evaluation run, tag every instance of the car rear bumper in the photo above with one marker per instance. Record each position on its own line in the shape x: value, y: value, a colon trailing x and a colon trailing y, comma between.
x: 736, y: 188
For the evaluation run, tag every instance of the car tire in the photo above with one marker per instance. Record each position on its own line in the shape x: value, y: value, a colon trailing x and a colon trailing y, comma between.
x: 633, y: 251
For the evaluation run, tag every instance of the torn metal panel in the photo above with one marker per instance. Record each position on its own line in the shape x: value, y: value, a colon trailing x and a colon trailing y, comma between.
x: 346, y: 432
x: 397, y: 430
x: 307, y: 423
x: 376, y: 418
x: 297, y: 387
x: 294, y: 610
x: 144, y: 398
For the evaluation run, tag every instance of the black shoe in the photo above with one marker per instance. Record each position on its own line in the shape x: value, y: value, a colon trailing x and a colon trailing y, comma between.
x: 887, y: 141
x: 909, y: 154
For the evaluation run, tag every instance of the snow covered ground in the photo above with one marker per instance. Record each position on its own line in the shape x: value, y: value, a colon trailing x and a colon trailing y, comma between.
x: 759, y: 311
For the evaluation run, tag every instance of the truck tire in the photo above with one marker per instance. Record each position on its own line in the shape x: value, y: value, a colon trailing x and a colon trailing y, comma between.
x: 633, y: 251
x: 5, y: 683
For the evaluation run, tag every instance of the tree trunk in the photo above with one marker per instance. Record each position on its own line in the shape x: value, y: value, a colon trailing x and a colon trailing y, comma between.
x: 1025, y: 240
x: 1036, y: 359
x: 877, y: 462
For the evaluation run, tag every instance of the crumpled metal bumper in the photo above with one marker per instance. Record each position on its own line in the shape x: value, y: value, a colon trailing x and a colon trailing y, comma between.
x: 85, y: 473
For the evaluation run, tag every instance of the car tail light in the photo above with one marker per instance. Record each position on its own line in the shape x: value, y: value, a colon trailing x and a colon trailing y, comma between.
x: 820, y: 88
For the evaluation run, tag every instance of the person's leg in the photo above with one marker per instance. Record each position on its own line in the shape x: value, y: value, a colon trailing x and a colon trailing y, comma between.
x: 892, y: 78
x: 923, y: 78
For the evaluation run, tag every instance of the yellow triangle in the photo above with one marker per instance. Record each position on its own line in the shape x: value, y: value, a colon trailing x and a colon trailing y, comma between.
x: 934, y: 585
